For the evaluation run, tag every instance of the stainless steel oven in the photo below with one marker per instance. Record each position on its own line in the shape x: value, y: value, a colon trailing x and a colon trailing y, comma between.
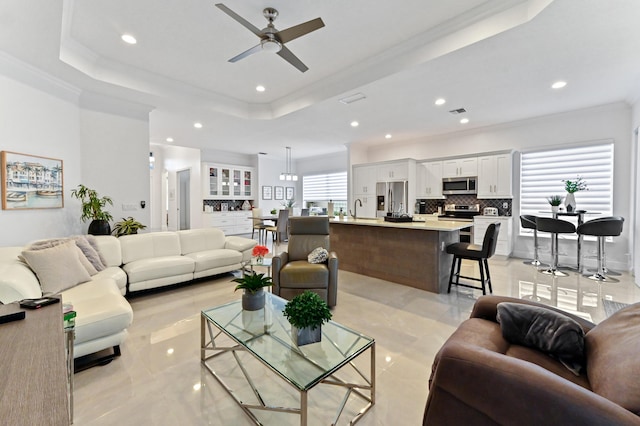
x: 461, y: 213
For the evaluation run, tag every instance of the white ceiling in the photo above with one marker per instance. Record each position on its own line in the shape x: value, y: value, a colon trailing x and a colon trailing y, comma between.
x: 496, y: 58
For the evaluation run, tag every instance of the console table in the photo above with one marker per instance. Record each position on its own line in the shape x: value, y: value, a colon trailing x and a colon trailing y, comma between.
x: 33, y: 374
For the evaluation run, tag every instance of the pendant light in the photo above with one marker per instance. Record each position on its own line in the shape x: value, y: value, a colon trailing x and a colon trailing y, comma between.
x: 288, y: 175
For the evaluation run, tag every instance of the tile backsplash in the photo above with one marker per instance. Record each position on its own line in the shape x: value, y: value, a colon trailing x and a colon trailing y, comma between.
x: 432, y: 205
x: 217, y: 204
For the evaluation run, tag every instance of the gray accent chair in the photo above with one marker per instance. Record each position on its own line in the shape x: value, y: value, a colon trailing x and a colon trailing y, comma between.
x: 293, y: 274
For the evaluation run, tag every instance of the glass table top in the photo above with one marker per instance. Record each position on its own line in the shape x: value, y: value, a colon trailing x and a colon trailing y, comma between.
x: 267, y: 334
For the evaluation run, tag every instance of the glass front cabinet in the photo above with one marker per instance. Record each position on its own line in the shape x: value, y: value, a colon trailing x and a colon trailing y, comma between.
x: 222, y: 182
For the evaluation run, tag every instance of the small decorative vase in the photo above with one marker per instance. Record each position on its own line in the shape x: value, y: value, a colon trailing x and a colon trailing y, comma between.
x: 554, y: 209
x: 306, y: 335
x: 570, y: 202
x: 259, y: 260
x: 253, y: 301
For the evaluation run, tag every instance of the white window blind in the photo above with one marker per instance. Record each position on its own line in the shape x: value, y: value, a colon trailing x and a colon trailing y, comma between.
x: 325, y: 187
x: 542, y: 173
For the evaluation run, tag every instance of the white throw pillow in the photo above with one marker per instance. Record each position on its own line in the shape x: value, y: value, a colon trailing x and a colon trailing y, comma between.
x: 318, y: 255
x: 58, y: 268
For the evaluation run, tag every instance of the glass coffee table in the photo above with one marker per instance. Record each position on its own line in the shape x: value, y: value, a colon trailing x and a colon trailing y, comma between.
x: 266, y: 335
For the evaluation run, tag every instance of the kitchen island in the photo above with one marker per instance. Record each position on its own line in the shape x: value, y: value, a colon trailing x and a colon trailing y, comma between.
x: 410, y: 253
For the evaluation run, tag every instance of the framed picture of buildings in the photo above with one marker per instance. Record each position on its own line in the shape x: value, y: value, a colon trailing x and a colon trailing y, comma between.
x: 266, y: 193
x: 31, y: 182
x: 278, y: 193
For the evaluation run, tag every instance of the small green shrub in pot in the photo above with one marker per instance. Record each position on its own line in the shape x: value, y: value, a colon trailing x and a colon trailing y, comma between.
x: 555, y: 200
x: 253, y: 285
x: 127, y: 226
x: 306, y: 312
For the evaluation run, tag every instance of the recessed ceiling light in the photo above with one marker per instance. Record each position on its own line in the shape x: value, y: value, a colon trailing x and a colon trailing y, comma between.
x: 169, y: 139
x: 558, y: 84
x: 387, y: 136
x: 197, y: 125
x: 464, y: 121
x: 260, y: 88
x: 440, y: 101
x: 129, y: 39
x: 354, y: 124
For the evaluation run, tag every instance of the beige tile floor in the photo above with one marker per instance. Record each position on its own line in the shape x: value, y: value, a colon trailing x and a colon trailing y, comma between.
x: 158, y: 380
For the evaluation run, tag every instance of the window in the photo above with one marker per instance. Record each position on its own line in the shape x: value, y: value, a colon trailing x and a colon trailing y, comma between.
x: 319, y: 189
x: 542, y: 173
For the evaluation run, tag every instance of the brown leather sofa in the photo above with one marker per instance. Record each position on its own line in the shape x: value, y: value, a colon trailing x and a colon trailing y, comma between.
x: 479, y: 378
x: 293, y: 274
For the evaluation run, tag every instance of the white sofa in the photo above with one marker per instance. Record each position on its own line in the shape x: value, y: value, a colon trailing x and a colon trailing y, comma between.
x: 133, y: 263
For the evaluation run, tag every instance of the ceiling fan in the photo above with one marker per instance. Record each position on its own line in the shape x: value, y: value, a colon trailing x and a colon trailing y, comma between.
x: 272, y: 40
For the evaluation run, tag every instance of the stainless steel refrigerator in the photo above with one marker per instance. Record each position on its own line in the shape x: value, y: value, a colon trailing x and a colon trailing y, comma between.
x: 392, y: 198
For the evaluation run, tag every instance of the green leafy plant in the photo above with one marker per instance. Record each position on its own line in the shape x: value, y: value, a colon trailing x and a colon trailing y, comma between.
x: 127, y: 226
x: 576, y: 185
x: 555, y: 200
x: 253, y: 282
x: 274, y: 211
x: 289, y: 203
x: 307, y: 310
x: 92, y: 204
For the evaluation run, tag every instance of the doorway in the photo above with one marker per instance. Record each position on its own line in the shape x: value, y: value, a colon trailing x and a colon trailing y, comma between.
x: 184, y: 200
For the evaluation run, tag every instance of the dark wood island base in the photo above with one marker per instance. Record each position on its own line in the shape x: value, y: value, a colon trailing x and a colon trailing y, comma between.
x: 411, y: 255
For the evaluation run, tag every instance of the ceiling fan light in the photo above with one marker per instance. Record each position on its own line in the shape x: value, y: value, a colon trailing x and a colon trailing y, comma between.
x: 270, y: 45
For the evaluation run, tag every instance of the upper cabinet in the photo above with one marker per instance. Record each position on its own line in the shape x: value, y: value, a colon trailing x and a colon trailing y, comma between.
x: 222, y: 182
x: 460, y: 167
x: 393, y: 171
x: 495, y: 176
x: 429, y: 180
x: 364, y: 179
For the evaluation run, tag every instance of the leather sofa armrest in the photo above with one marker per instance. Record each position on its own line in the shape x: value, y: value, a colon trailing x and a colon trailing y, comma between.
x: 277, y: 262
x: 486, y: 307
x: 473, y: 383
x: 332, y: 290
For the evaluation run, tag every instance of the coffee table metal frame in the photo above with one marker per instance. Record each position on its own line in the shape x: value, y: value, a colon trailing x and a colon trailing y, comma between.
x: 209, y: 350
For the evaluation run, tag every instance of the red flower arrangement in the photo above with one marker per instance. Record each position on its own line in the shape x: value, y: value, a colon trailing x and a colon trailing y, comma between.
x: 260, y: 251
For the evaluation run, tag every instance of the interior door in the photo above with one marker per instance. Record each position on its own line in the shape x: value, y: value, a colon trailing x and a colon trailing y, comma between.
x: 184, y: 200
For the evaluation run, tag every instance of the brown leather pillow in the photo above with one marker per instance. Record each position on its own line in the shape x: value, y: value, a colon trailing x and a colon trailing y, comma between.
x: 613, y: 358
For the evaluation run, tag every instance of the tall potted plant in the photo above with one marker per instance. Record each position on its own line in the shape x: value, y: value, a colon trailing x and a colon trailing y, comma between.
x: 572, y: 186
x: 92, y: 208
x: 306, y: 313
x: 253, y: 285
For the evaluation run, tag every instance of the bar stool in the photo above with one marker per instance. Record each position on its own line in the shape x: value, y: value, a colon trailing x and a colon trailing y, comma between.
x: 554, y: 227
x: 474, y: 252
x: 528, y: 221
x: 602, y: 227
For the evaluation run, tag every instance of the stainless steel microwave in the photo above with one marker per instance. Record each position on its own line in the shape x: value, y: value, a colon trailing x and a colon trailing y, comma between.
x: 455, y: 186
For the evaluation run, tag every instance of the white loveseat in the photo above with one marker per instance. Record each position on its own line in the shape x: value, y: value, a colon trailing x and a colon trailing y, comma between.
x: 133, y: 263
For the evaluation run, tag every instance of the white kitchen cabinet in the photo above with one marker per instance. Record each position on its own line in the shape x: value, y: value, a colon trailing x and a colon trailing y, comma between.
x: 231, y: 223
x: 393, y: 171
x: 480, y: 225
x: 429, y: 180
x: 222, y: 182
x: 460, y: 167
x: 495, y: 176
x: 364, y: 180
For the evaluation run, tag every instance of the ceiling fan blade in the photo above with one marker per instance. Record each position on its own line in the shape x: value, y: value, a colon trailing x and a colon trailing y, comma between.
x: 240, y: 19
x: 288, y: 56
x: 254, y: 49
x: 296, y: 31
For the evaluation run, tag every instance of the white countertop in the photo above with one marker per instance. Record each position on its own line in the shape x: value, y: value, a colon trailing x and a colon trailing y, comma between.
x: 430, y: 225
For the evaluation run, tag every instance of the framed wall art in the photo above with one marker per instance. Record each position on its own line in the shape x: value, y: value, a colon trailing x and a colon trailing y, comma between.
x: 290, y: 193
x: 31, y: 182
x: 279, y: 193
x: 266, y: 193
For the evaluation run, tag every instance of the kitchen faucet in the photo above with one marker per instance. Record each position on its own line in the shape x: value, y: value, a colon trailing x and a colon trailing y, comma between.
x: 355, y: 208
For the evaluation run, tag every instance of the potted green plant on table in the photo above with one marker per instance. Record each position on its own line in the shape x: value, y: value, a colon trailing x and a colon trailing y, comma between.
x: 555, y: 201
x: 92, y: 208
x: 572, y: 186
x: 127, y: 226
x: 290, y: 204
x: 253, y: 285
x: 306, y: 313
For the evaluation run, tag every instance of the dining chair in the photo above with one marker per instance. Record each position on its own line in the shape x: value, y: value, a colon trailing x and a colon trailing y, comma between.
x: 280, y: 231
x: 258, y: 224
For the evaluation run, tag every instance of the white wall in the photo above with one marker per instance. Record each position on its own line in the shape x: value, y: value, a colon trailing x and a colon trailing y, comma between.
x: 604, y: 122
x: 635, y: 197
x: 46, y: 117
x: 269, y: 170
x: 173, y: 160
